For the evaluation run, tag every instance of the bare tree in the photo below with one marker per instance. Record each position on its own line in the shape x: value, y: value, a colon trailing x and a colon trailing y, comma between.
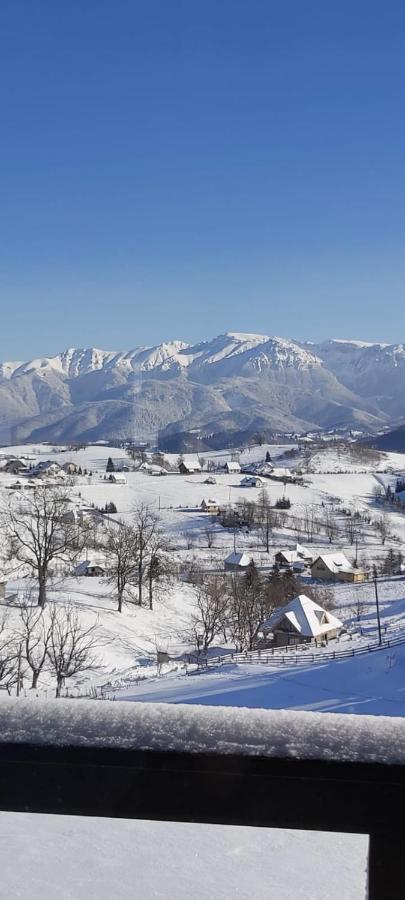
x: 210, y: 536
x: 40, y: 529
x: 382, y: 527
x: 330, y: 526
x: 35, y: 635
x: 122, y: 550
x: 266, y: 518
x: 189, y: 539
x: 11, y: 668
x: 71, y: 646
x: 211, y: 607
x: 351, y: 528
x: 145, y: 523
x: 245, y: 608
x: 309, y: 522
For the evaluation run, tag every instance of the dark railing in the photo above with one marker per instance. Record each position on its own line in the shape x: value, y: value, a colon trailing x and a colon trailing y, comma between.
x: 307, y: 794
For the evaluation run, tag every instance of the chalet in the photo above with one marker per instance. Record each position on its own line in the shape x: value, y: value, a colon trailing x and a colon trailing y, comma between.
x: 190, y: 465
x: 251, y: 481
x: 305, y: 554
x: 285, y: 558
x: 70, y: 468
x: 209, y: 506
x: 300, y: 621
x: 238, y: 562
x: 336, y: 567
x: 117, y: 478
x: 280, y: 474
x: 15, y: 467
x: 90, y: 569
x: 157, y: 471
x: 47, y: 469
x: 232, y: 467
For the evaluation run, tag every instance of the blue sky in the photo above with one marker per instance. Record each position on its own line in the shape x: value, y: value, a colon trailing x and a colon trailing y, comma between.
x: 177, y: 169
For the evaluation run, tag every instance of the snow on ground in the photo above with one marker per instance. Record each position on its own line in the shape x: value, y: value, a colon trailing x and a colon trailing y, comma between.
x: 373, y: 684
x: 108, y: 859
x: 129, y: 642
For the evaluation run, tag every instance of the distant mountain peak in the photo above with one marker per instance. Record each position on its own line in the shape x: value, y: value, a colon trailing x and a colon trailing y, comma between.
x: 236, y: 381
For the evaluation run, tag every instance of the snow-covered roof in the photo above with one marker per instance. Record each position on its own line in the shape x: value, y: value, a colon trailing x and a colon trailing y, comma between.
x: 304, y: 553
x: 239, y: 559
x: 305, y: 616
x: 192, y: 462
x: 281, y: 473
x: 83, y: 567
x: 118, y: 477
x: 336, y: 562
x: 290, y: 556
x: 232, y: 466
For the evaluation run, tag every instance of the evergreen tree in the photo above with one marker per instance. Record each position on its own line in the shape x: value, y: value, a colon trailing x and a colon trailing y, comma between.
x: 110, y: 465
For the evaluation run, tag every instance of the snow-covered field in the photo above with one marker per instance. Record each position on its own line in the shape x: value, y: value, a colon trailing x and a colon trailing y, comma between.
x: 129, y: 642
x: 108, y: 859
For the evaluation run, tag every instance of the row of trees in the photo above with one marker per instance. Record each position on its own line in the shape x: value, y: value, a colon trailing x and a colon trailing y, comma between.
x: 41, y: 532
x: 53, y: 641
x: 138, y: 557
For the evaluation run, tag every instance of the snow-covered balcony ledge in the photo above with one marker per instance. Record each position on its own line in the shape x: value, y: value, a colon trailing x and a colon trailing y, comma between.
x: 280, y: 769
x: 204, y: 730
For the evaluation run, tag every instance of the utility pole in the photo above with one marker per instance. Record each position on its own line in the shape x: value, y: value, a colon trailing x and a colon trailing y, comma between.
x: 378, y: 609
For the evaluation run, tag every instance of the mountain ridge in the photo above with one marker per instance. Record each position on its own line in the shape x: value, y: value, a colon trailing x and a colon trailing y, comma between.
x: 232, y: 381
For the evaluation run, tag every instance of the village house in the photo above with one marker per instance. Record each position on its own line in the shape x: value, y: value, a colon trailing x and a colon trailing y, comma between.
x: 285, y: 558
x: 90, y: 569
x: 281, y: 474
x: 47, y: 469
x: 305, y: 554
x: 15, y: 467
x: 190, y: 465
x: 238, y: 562
x: 300, y: 621
x: 209, y: 506
x: 336, y: 567
x: 297, y: 558
x: 232, y: 467
x: 157, y: 471
x: 70, y: 468
x: 251, y: 481
x: 117, y: 478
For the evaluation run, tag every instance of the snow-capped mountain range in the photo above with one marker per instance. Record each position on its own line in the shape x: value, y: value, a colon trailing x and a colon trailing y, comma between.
x: 234, y: 382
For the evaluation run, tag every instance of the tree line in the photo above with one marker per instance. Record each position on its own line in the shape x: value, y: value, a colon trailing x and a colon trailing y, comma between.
x: 52, y: 641
x: 41, y: 532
